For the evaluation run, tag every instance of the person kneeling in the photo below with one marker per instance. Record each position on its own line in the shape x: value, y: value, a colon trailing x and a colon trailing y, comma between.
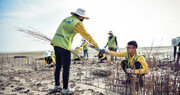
x: 76, y: 58
x: 102, y: 56
x: 49, y: 60
x: 135, y: 63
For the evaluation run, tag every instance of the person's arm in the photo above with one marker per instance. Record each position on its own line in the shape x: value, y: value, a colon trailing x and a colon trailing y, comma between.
x: 79, y: 49
x: 174, y: 53
x: 79, y: 28
x: 117, y: 54
x: 83, y: 44
x: 45, y: 62
x: 53, y: 59
x: 106, y: 45
x: 144, y: 69
x: 104, y: 55
x: 116, y: 41
x: 97, y: 55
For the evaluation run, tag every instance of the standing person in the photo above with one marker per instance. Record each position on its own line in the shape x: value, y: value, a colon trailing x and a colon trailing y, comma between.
x: 112, y: 43
x: 176, y: 43
x: 62, y: 41
x: 135, y: 63
x: 85, y: 48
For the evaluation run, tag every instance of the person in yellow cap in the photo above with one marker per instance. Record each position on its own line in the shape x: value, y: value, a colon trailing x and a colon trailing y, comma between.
x: 135, y: 63
x: 112, y: 43
x: 49, y: 59
x: 77, y: 49
x: 176, y: 43
x: 85, y: 48
x: 62, y: 41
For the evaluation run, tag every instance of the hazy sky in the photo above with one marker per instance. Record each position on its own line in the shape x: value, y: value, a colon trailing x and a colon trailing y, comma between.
x: 140, y: 20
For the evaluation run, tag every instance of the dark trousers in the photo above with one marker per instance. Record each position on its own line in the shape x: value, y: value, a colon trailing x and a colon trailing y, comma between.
x: 85, y: 53
x: 63, y: 59
x: 102, y: 60
x: 112, y: 49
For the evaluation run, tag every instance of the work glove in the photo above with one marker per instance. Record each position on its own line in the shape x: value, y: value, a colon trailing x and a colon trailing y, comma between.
x: 129, y: 70
x: 97, y: 48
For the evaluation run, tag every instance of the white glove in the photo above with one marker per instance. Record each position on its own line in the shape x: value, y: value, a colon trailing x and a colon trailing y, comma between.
x: 129, y: 70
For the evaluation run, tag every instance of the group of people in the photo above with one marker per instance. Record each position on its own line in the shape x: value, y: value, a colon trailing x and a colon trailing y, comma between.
x: 112, y: 46
x: 134, y: 63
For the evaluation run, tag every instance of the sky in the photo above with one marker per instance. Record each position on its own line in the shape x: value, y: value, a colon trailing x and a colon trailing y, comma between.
x: 145, y: 21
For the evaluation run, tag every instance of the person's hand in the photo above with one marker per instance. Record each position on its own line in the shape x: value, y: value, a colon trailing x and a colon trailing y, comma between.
x: 129, y: 70
x: 97, y: 48
x: 92, y: 46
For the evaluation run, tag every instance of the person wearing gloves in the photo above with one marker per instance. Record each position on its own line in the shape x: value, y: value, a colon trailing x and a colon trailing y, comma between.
x: 85, y: 48
x: 176, y: 43
x: 49, y: 60
x: 62, y: 41
x: 112, y: 43
x: 101, y: 55
x: 134, y: 63
x: 77, y: 49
